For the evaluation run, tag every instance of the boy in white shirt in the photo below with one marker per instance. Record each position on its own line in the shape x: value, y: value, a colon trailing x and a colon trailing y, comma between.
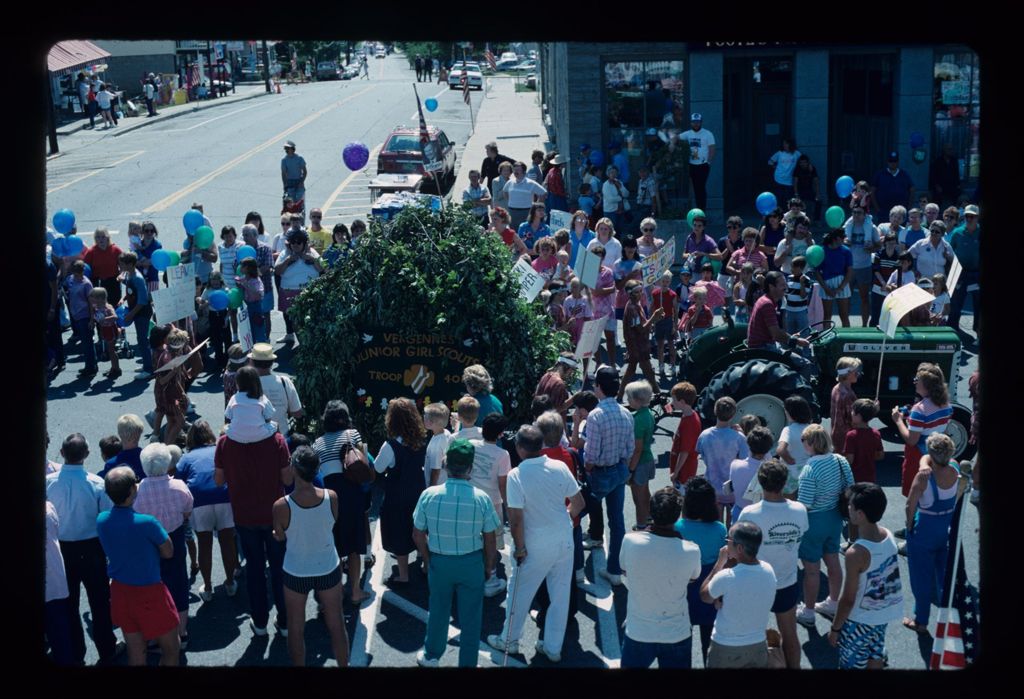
x: 491, y: 465
x: 435, y: 419
x: 467, y: 410
x: 249, y: 412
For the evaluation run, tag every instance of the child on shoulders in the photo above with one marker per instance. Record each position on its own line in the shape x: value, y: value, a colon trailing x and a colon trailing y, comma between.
x: 249, y: 412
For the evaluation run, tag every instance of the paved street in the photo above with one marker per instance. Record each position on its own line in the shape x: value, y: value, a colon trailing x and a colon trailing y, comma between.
x: 227, y: 157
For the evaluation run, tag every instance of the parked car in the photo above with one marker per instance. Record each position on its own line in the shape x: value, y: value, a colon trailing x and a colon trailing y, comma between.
x: 473, y: 73
x: 381, y: 53
x: 403, y: 154
x: 327, y: 70
x: 350, y: 71
x: 524, y: 67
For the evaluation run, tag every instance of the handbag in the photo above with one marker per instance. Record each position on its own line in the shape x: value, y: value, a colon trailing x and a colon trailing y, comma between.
x: 753, y: 493
x: 357, y: 468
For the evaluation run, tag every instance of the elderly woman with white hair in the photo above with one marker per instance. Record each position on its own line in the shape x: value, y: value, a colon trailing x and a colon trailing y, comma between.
x: 478, y: 384
x: 170, y: 502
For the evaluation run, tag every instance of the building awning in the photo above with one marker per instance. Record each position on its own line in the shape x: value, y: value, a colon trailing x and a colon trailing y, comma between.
x: 67, y: 56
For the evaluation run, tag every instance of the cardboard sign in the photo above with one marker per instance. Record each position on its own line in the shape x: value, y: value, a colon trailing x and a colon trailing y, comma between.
x: 560, y: 219
x: 587, y: 267
x: 656, y: 264
x: 898, y: 304
x: 954, y: 276
x: 178, y: 361
x: 432, y: 160
x: 178, y: 300
x: 530, y: 283
x: 244, y: 328
x: 590, y: 338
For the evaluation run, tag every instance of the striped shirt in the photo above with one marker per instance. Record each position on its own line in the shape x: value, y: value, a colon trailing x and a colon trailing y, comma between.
x: 823, y: 480
x: 794, y: 301
x: 228, y: 260
x: 165, y: 498
x: 610, y: 439
x: 455, y: 515
x: 885, y: 265
x: 328, y: 449
x: 928, y: 418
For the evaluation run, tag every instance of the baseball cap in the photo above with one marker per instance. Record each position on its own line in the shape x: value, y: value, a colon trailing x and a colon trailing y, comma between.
x: 584, y: 147
x: 686, y: 272
x: 696, y: 116
x: 971, y: 210
x: 460, y: 453
x: 289, y: 144
x: 893, y: 155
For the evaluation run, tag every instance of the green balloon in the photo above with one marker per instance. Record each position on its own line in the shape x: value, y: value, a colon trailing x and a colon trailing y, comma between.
x: 204, y: 237
x: 175, y: 258
x: 238, y: 270
x: 235, y: 298
x: 815, y: 256
x: 716, y: 265
x: 693, y: 213
x: 834, y: 216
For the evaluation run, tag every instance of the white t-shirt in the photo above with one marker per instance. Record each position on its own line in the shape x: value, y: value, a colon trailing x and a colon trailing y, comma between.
x: 298, y: 274
x: 490, y: 462
x: 699, y: 141
x: 782, y: 524
x: 539, y: 487
x: 940, y: 303
x: 611, y: 198
x: 520, y: 194
x: 907, y: 278
x: 612, y: 250
x: 251, y: 418
x: 280, y: 391
x: 930, y: 259
x: 436, y: 449
x: 468, y: 433
x: 747, y: 592
x: 658, y: 570
x: 103, y: 99
x: 784, y: 164
x: 790, y: 436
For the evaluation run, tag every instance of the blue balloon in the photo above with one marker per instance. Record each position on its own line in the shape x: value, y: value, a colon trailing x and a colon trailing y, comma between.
x: 844, y: 186
x: 218, y: 300
x: 430, y: 103
x: 916, y: 139
x: 244, y: 252
x: 355, y: 156
x: 64, y: 221
x: 59, y: 246
x: 88, y: 270
x: 192, y: 219
x: 596, y: 158
x: 121, y: 312
x: 161, y: 260
x: 73, y: 245
x: 766, y: 203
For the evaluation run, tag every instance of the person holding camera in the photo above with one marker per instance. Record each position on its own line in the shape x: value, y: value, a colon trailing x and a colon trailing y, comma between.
x: 298, y: 265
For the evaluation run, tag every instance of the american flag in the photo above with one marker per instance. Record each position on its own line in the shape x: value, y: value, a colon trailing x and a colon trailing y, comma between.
x: 193, y: 75
x: 424, y: 134
x: 490, y: 59
x: 956, y: 637
x: 465, y: 84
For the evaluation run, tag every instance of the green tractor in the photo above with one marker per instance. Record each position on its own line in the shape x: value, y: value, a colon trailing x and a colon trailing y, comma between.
x: 719, y: 363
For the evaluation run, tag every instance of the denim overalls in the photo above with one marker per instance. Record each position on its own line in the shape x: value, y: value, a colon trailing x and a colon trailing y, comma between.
x: 927, y: 547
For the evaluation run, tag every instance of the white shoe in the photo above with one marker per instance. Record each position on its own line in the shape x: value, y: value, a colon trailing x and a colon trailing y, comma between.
x: 231, y: 588
x: 494, y: 586
x: 805, y: 616
x: 204, y: 594
x: 612, y: 578
x: 496, y: 642
x: 581, y: 576
x: 553, y: 657
x: 258, y: 630
x: 589, y: 543
x: 828, y: 608
x: 423, y: 661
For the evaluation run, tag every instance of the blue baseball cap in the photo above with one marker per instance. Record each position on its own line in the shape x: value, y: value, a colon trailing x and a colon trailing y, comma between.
x: 696, y: 116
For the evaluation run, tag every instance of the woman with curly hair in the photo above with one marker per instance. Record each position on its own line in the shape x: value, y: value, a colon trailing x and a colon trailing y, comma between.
x: 478, y: 384
x: 400, y: 461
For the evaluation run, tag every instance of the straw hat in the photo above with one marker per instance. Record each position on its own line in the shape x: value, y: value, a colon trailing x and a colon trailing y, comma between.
x: 262, y: 352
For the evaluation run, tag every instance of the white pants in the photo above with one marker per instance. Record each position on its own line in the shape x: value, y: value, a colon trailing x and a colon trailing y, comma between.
x: 545, y: 560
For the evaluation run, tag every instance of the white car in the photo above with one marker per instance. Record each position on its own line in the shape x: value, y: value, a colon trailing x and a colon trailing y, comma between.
x: 473, y: 74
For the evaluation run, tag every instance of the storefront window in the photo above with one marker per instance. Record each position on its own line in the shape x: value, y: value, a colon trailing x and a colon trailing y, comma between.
x: 641, y: 97
x: 957, y: 112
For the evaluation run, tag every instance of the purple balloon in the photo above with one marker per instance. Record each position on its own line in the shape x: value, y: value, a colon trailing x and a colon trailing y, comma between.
x: 355, y: 156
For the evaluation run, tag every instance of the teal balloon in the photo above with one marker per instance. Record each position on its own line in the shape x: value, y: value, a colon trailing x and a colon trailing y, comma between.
x: 430, y: 103
x: 692, y: 215
x: 161, y: 260
x: 235, y: 298
x: 175, y: 258
x: 815, y: 256
x: 835, y: 216
x: 844, y: 186
x: 204, y: 237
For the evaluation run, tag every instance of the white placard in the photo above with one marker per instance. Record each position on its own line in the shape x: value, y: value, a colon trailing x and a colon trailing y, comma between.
x: 655, y: 264
x: 178, y: 300
x: 530, y: 283
x: 181, y: 274
x: 560, y: 219
x: 954, y: 276
x: 587, y: 267
x: 590, y: 338
x: 898, y: 304
x: 181, y: 359
x: 244, y: 328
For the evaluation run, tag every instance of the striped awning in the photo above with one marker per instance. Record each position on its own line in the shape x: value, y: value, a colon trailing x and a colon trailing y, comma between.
x: 67, y: 56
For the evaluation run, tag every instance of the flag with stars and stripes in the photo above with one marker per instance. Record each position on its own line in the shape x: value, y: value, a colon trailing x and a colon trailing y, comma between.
x: 490, y: 59
x: 465, y: 84
x: 956, y: 636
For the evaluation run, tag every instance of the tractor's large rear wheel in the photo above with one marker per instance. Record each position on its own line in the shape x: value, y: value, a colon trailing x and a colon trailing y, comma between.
x: 760, y: 388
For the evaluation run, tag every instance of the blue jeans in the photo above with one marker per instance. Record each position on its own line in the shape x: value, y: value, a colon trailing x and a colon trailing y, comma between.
x: 260, y: 549
x: 464, y: 576
x: 795, y: 320
x: 637, y: 654
x: 80, y: 328
x: 259, y: 328
x: 577, y: 547
x: 141, y: 323
x: 609, y: 484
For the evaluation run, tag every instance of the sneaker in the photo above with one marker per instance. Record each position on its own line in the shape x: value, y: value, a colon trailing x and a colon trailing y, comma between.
x: 423, y: 661
x: 88, y: 372
x: 589, y: 543
x: 494, y: 586
x: 612, y: 578
x: 112, y: 374
x: 283, y: 632
x: 258, y: 630
x: 553, y: 657
x: 828, y: 608
x: 805, y: 616
x: 205, y: 594
x: 231, y: 588
x: 900, y: 533
x: 496, y: 642
x: 581, y: 576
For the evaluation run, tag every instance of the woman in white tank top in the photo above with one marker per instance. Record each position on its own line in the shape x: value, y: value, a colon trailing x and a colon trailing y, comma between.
x: 305, y: 519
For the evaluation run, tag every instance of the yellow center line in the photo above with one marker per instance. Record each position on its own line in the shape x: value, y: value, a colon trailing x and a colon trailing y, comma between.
x: 341, y: 187
x: 95, y: 172
x: 185, y: 191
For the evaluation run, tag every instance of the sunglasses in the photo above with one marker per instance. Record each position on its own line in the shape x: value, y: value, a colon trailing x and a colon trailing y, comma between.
x: 647, y: 230
x: 316, y: 218
x: 731, y: 225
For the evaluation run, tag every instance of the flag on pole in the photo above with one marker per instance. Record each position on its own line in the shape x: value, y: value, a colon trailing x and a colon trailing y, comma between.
x: 490, y: 59
x: 465, y: 84
x: 424, y: 135
x: 898, y: 304
x: 956, y: 636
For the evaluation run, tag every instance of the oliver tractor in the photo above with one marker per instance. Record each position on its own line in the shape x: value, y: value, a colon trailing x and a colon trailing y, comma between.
x: 719, y: 363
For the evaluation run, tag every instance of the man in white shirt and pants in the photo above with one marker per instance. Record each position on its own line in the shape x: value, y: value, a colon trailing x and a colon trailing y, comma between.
x: 522, y: 192
x: 542, y: 535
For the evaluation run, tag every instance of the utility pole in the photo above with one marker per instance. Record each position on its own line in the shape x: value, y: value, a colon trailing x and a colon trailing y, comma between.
x: 266, y: 66
x: 52, y: 113
x: 209, y: 64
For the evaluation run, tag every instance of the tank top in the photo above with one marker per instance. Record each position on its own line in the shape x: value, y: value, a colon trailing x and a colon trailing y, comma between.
x: 936, y: 501
x: 310, y: 548
x: 880, y: 591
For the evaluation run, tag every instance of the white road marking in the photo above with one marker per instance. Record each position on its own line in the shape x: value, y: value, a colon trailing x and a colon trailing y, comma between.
x: 203, y: 123
x: 366, y: 627
x: 416, y: 115
x: 96, y: 172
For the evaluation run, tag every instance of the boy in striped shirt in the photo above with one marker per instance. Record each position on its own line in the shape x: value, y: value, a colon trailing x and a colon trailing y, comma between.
x: 798, y: 296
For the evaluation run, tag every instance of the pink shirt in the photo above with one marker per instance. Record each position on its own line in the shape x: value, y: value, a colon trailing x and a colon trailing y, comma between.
x: 604, y: 306
x: 166, y: 498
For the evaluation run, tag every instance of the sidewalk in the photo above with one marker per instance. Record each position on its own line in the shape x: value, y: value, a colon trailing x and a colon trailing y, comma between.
x: 511, y: 119
x: 127, y: 124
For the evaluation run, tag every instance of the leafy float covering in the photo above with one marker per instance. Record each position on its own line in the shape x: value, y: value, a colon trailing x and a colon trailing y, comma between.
x: 422, y: 297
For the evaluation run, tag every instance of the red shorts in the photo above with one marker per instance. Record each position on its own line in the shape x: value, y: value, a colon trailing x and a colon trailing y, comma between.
x: 145, y: 609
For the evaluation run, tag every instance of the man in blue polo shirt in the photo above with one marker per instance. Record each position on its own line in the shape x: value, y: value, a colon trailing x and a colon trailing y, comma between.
x: 891, y: 186
x: 966, y: 241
